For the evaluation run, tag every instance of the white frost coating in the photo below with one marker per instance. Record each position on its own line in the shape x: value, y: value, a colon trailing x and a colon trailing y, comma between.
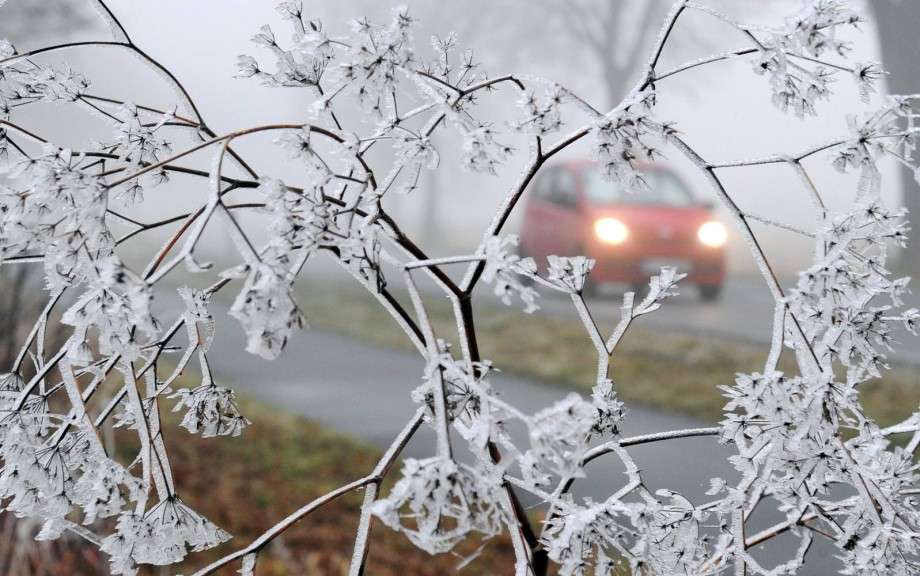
x: 803, y: 445
x: 249, y: 565
x: 118, y: 33
x: 503, y: 268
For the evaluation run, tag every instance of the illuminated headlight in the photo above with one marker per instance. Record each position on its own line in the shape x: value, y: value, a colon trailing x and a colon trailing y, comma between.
x: 712, y: 234
x: 611, y: 231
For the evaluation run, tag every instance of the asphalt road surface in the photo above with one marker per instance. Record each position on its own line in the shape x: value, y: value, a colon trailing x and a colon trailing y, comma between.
x: 363, y: 391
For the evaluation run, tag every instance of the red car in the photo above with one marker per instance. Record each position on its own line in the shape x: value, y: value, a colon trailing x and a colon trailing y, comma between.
x: 572, y: 210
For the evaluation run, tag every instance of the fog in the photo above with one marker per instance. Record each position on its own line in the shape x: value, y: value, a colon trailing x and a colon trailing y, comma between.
x: 715, y: 107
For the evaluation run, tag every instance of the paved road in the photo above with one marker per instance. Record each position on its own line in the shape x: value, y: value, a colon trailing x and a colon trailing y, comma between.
x: 363, y: 391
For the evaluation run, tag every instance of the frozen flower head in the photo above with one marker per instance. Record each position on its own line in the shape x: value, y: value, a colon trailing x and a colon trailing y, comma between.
x: 362, y: 252
x: 482, y: 152
x: 267, y: 311
x: 437, y: 503
x: 104, y: 488
x: 10, y: 414
x: 626, y: 135
x: 416, y: 152
x: 569, y: 274
x: 794, y: 90
x: 541, y: 112
x: 367, y: 64
x: 247, y: 66
x: 375, y: 59
x: 32, y: 416
x: 298, y: 145
x: 659, y: 535
x: 161, y: 536
x: 50, y: 475
x: 579, y: 537
x: 867, y: 76
x: 211, y: 410
x: 506, y: 271
x: 138, y: 141
x: 35, y: 479
x: 874, y: 136
x: 116, y: 305
x: 795, y: 57
x: 11, y: 382
x: 560, y: 435
x: 661, y: 287
x: 815, y: 29
x: 296, y: 220
x: 468, y: 398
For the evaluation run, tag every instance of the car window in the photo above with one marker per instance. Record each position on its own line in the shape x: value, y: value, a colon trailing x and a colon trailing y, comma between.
x: 664, y: 188
x: 542, y: 188
x: 565, y: 192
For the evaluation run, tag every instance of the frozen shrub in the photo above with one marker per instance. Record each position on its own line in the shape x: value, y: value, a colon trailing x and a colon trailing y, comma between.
x: 802, y: 443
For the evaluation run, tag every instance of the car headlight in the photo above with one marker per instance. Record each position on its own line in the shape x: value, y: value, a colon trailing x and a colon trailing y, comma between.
x: 712, y: 234
x: 611, y: 231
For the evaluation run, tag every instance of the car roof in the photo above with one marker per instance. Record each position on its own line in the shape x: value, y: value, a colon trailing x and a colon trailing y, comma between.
x: 582, y: 163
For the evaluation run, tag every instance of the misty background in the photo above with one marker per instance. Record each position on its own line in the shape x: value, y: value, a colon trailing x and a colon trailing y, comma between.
x: 596, y: 48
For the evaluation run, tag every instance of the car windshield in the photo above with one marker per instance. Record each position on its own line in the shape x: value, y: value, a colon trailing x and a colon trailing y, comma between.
x: 663, y: 188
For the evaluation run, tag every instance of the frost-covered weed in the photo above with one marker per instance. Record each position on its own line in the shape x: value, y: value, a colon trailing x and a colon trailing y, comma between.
x: 802, y: 443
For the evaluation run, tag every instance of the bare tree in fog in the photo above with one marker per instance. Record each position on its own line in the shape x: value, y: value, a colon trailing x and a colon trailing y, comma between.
x: 595, y: 40
x: 804, y: 452
x: 613, y: 33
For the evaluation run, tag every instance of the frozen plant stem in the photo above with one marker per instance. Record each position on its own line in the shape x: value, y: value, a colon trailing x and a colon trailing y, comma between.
x: 800, y: 439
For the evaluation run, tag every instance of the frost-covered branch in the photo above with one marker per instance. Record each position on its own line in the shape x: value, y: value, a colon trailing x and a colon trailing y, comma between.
x: 802, y: 442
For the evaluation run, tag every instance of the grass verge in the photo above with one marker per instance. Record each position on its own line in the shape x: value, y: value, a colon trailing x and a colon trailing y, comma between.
x: 653, y: 367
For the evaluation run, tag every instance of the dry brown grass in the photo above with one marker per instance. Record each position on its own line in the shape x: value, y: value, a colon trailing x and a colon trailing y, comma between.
x: 247, y: 484
x: 281, y: 462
